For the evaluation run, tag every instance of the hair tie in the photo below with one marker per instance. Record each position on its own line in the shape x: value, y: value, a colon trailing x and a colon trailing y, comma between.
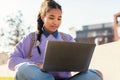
x: 37, y: 43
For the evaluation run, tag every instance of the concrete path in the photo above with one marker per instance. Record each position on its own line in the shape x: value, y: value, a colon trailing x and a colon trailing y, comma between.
x: 4, y: 71
x: 106, y: 58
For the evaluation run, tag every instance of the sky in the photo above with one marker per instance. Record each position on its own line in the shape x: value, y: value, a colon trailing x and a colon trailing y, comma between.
x: 76, y: 13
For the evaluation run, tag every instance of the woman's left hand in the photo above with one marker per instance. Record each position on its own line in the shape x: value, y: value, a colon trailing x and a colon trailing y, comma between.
x: 39, y: 64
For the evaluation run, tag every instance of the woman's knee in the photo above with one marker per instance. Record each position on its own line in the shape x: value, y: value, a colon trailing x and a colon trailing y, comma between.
x: 32, y: 72
x: 95, y: 74
x: 88, y: 75
x: 99, y: 73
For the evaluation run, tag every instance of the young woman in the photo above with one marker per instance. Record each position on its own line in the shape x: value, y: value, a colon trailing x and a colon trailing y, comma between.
x: 49, y: 20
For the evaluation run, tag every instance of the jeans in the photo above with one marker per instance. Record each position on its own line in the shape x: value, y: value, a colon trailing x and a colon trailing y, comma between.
x: 28, y: 71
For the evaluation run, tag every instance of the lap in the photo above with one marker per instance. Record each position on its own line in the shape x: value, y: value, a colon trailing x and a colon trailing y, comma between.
x: 88, y: 75
x: 32, y: 72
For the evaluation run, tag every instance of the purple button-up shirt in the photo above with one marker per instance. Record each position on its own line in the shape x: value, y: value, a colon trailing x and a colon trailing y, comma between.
x: 22, y: 48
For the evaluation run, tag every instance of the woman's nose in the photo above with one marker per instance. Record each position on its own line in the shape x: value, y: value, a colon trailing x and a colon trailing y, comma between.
x: 55, y: 22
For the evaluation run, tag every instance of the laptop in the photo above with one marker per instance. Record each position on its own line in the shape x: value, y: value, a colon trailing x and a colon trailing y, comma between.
x: 67, y: 56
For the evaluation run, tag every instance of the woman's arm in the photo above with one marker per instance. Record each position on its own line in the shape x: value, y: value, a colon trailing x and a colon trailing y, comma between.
x: 116, y: 25
x: 20, y: 52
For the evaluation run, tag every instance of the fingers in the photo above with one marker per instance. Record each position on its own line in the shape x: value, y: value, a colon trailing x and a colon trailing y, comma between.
x: 117, y: 14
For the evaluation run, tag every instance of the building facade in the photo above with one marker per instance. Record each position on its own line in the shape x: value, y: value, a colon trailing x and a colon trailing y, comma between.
x: 96, y: 33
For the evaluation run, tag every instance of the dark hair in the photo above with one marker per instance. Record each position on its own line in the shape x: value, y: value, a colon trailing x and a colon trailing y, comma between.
x: 44, y: 8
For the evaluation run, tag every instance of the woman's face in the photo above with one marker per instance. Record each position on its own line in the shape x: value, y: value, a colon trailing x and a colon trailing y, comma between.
x: 52, y: 20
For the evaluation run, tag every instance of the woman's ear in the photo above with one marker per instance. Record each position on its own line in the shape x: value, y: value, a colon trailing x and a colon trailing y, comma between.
x: 42, y: 17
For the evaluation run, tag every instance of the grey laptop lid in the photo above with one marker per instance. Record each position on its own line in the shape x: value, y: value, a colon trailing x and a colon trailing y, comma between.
x: 67, y: 56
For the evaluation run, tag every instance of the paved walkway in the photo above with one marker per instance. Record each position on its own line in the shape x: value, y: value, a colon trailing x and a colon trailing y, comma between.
x: 106, y: 58
x: 4, y: 71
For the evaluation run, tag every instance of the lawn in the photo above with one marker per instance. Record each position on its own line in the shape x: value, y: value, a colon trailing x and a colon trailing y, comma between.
x: 6, y: 78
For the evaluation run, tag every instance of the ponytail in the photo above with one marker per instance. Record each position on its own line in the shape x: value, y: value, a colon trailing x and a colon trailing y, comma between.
x: 39, y: 32
x: 39, y: 27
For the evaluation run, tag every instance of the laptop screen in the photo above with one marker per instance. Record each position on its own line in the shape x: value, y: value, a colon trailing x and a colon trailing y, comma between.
x: 67, y: 56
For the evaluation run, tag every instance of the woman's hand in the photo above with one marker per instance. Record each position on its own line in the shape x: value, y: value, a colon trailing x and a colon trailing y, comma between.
x: 115, y: 18
x: 117, y: 15
x: 39, y: 64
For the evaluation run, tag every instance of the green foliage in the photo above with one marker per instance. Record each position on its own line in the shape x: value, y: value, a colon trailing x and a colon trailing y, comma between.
x: 1, y: 32
x: 1, y: 35
x: 16, y: 28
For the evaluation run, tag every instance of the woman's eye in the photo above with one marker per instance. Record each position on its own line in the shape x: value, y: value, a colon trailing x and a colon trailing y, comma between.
x: 59, y: 19
x: 54, y: 18
x: 51, y: 18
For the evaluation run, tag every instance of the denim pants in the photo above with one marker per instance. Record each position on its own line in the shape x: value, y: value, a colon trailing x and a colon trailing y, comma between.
x: 28, y: 71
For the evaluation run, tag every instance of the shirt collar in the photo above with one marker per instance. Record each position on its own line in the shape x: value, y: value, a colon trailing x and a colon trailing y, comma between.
x: 55, y: 34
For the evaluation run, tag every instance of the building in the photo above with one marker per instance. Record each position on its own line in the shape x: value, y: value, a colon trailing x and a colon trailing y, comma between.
x: 96, y: 33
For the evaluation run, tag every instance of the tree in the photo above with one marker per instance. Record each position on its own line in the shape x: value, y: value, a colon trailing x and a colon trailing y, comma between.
x: 1, y: 32
x: 16, y: 28
x: 1, y: 35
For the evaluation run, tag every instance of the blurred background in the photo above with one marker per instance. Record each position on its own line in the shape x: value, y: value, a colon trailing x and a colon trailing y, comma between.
x: 88, y: 21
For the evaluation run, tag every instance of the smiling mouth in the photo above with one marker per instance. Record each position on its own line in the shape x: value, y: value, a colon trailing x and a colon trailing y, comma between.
x: 54, y: 27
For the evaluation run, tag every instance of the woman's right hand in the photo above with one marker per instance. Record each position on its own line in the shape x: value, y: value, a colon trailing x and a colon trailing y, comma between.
x: 39, y: 64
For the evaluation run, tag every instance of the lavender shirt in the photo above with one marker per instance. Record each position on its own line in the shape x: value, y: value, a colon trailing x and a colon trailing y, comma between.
x: 22, y: 48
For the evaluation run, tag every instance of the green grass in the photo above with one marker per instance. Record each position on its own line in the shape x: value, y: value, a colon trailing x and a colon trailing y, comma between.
x: 6, y: 78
